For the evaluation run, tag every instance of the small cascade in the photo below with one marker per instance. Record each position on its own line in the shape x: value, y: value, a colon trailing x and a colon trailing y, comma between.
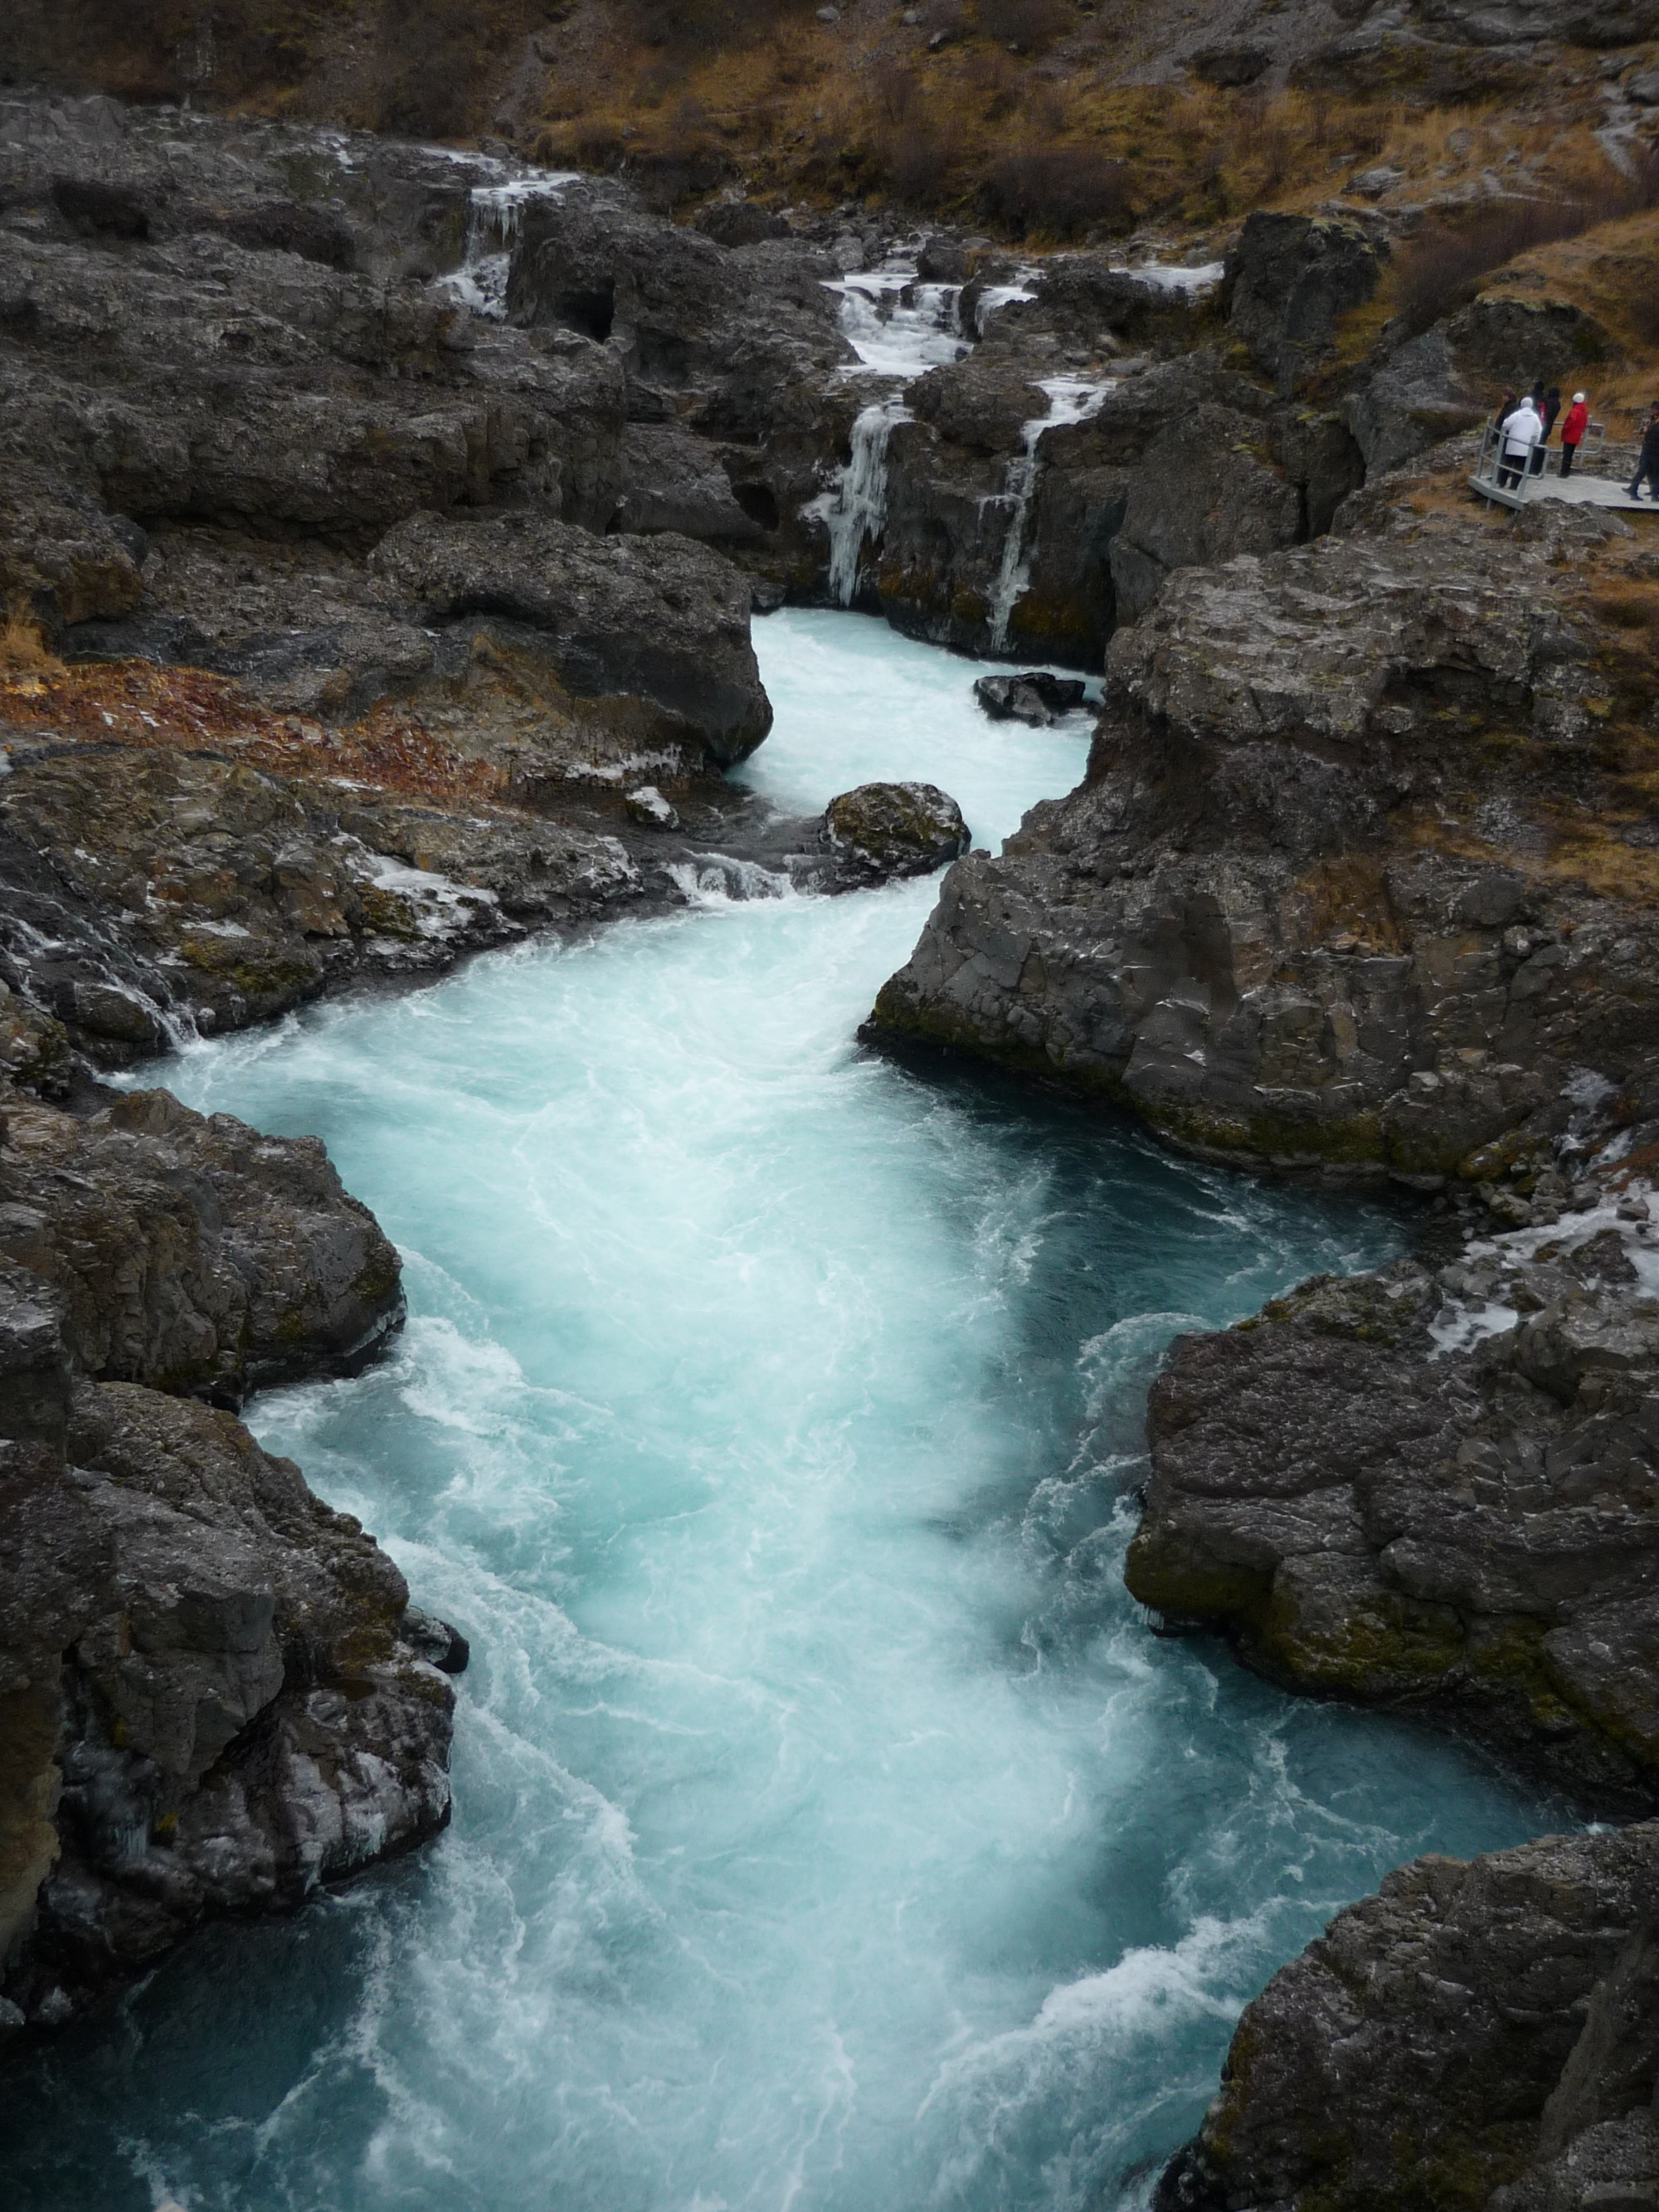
x: 898, y: 325
x: 723, y: 879
x: 1169, y: 276
x: 900, y: 328
x: 1070, y: 400
x: 995, y: 297
x: 494, y: 219
x: 857, y: 508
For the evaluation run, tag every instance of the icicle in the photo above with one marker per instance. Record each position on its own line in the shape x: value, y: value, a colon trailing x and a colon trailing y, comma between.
x: 494, y: 221
x: 1070, y: 400
x: 858, y: 508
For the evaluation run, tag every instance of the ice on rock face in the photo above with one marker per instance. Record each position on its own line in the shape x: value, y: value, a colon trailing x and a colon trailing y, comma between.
x: 1165, y: 277
x: 855, y: 512
x: 494, y: 218
x: 898, y: 325
x: 1071, y: 399
x: 900, y: 328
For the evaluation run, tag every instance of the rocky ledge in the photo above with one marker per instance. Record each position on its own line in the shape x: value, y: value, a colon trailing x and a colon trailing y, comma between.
x: 214, y: 1692
x: 1360, y: 883
x: 1479, y: 2038
x: 1437, y: 1488
x: 1358, y: 873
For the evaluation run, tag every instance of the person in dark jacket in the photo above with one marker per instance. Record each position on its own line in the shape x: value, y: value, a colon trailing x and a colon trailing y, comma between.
x: 1647, y: 463
x: 1549, y: 409
x: 1573, y: 431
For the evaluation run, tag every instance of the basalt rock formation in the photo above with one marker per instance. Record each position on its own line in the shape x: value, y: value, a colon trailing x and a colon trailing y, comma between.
x: 1033, y: 696
x: 1359, y: 881
x: 1289, y: 916
x: 150, y: 892
x: 1476, y: 2038
x: 193, y: 1254
x: 214, y: 1692
x: 1436, y: 1488
x: 882, y: 832
x: 256, y: 423
x: 213, y: 1695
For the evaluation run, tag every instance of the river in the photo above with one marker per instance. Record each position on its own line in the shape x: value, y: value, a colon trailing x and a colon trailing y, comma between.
x: 830, y: 1833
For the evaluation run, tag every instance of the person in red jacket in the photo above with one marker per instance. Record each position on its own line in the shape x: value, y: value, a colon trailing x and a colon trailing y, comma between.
x: 1572, y: 432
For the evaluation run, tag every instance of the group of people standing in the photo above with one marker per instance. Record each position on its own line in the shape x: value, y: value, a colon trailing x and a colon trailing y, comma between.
x: 1524, y: 427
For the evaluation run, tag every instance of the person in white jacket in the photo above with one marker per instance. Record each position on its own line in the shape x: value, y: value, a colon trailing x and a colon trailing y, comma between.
x: 1520, y: 433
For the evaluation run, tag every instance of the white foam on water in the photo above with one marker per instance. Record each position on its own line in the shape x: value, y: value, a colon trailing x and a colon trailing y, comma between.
x: 829, y: 1832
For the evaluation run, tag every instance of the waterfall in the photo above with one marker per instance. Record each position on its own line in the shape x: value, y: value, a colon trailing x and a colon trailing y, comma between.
x: 1070, y: 400
x: 857, y: 508
x: 494, y: 218
x: 898, y: 327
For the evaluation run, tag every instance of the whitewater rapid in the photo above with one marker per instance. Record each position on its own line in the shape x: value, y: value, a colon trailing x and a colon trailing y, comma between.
x: 830, y: 1834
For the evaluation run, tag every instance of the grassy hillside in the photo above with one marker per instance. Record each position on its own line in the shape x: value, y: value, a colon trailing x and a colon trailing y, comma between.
x: 1046, y: 120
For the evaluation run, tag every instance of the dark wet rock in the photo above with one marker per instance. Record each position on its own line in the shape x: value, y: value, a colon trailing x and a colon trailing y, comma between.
x: 943, y: 260
x: 1290, y: 278
x: 1187, y: 463
x: 1090, y: 299
x: 720, y: 329
x: 212, y: 1703
x: 673, y: 481
x: 740, y: 222
x: 61, y: 553
x: 1207, y: 487
x: 97, y: 210
x: 1503, y: 340
x: 214, y: 1695
x: 1435, y: 1488
x: 1032, y: 696
x: 648, y: 806
x: 1479, y: 2037
x: 193, y: 1254
x: 1168, y: 936
x: 882, y: 831
x: 200, y: 379
x: 1410, y: 400
x: 144, y: 892
x: 657, y: 628
x: 284, y: 225
x: 435, y: 1641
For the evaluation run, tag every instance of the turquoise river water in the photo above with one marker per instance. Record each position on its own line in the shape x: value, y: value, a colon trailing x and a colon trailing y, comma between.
x: 830, y: 1833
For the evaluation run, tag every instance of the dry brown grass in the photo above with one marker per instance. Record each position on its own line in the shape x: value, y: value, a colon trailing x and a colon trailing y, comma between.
x: 187, y: 710
x: 25, y: 657
x: 691, y: 93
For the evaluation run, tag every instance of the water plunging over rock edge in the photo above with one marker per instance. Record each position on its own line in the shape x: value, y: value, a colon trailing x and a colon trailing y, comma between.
x: 1070, y: 400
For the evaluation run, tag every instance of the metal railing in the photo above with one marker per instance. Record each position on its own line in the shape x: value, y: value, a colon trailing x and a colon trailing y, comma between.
x: 1518, y: 476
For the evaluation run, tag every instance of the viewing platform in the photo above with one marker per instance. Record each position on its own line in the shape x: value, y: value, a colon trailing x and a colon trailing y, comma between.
x: 1579, y: 489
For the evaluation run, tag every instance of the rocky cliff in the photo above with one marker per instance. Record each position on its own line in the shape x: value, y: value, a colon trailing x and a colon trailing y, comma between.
x: 1435, y: 1488
x: 1359, y: 882
x: 214, y: 1694
x: 1359, y: 874
x: 1479, y: 2038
